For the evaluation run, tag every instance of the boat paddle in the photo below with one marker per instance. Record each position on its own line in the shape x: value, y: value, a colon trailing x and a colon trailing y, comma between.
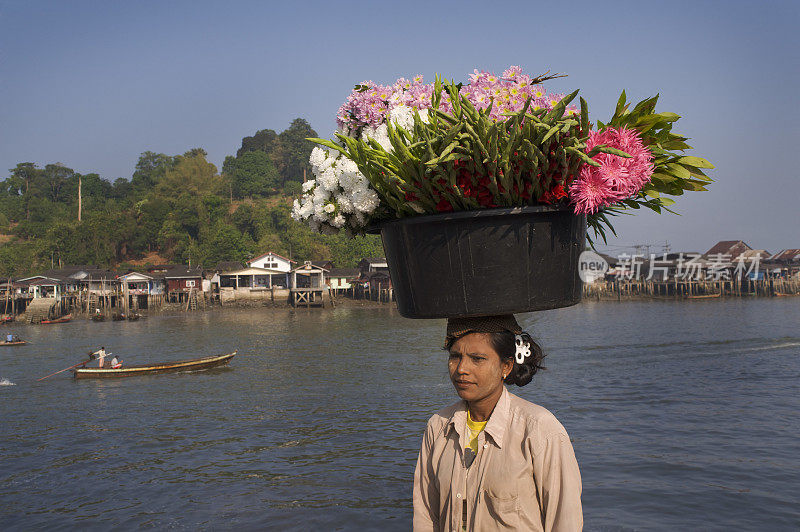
x: 71, y: 367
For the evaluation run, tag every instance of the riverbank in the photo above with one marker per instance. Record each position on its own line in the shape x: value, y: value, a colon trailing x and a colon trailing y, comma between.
x: 590, y: 295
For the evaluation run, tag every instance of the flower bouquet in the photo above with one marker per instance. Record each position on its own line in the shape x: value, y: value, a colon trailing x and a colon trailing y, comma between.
x: 412, y: 149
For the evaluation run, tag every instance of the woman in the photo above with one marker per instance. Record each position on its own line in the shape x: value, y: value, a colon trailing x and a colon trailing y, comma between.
x: 494, y: 461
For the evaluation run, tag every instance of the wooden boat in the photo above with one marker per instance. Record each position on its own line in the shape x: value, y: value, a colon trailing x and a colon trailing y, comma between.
x: 704, y: 296
x: 98, y: 317
x: 6, y: 319
x: 62, y: 319
x: 147, y: 369
x: 118, y: 317
x: 18, y: 342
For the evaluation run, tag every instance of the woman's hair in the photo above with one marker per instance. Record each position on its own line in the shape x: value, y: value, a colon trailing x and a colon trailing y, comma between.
x: 506, y: 346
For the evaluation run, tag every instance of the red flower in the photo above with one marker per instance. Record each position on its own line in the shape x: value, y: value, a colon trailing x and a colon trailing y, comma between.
x: 485, y: 198
x: 554, y: 194
x: 558, y: 192
x: 444, y: 206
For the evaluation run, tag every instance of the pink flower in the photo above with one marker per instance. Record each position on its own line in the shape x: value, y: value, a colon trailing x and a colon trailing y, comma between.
x: 616, y: 178
x: 591, y: 192
x: 512, y: 72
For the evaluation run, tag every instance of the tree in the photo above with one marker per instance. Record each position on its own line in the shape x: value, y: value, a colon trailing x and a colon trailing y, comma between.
x: 243, y: 219
x: 192, y: 174
x: 251, y: 174
x: 150, y: 215
x: 95, y: 190
x: 57, y: 176
x: 30, y: 181
x: 224, y: 242
x: 296, y: 149
x: 265, y: 140
x: 150, y: 169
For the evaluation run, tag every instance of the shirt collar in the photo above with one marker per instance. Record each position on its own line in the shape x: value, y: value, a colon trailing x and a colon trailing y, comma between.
x: 495, y: 427
x: 498, y: 421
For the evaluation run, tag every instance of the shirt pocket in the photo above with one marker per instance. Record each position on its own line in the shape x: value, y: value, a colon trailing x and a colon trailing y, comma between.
x: 503, y: 510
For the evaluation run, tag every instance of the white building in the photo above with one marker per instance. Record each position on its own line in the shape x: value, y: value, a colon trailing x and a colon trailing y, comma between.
x: 272, y: 261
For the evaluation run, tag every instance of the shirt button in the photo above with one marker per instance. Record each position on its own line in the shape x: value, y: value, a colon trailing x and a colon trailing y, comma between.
x: 485, y: 445
x: 458, y: 495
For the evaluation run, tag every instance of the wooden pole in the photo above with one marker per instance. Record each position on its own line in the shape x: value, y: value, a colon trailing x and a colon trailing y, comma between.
x: 65, y: 369
x: 80, y: 202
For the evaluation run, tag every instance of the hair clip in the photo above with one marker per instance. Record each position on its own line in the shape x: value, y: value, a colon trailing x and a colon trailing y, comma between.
x: 523, y: 349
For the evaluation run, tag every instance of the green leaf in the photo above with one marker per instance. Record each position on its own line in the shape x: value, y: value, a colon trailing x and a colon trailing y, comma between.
x: 558, y: 109
x: 583, y: 156
x: 698, y: 162
x: 552, y: 131
x: 621, y: 105
x: 584, y: 117
x: 612, y: 151
x: 678, y: 171
x: 328, y: 144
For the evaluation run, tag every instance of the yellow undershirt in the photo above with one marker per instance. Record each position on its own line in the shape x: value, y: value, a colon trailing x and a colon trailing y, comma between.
x: 474, y: 428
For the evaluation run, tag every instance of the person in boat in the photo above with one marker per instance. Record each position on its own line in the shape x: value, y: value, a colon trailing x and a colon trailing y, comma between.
x: 116, y: 363
x: 101, y: 356
x: 494, y: 461
x: 9, y: 338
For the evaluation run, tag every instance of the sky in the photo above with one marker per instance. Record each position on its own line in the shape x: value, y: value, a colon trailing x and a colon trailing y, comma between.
x: 94, y: 84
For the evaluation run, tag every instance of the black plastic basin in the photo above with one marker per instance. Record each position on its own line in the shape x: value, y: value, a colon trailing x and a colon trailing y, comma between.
x: 479, y: 263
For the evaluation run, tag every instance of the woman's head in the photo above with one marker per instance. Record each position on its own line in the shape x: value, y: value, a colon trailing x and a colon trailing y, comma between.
x: 502, y: 336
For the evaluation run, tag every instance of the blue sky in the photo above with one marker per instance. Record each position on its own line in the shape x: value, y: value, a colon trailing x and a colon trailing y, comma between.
x: 94, y: 84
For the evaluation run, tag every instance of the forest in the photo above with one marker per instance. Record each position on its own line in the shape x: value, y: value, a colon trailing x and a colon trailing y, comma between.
x: 174, y: 208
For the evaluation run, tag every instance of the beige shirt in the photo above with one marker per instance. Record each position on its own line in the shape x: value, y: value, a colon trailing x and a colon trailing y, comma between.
x: 524, y: 477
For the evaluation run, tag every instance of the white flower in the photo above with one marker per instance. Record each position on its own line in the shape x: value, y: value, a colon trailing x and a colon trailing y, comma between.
x: 307, y: 209
x: 330, y: 160
x: 367, y: 133
x: 345, y: 205
x: 337, y: 168
x: 403, y: 116
x: 328, y: 180
x: 350, y: 181
x: 320, y: 196
x: 384, y: 141
x: 318, y: 156
x: 365, y: 201
x: 347, y: 166
x: 319, y: 214
x: 338, y: 221
x: 296, y: 211
x: 329, y: 208
x: 423, y: 115
x: 308, y: 185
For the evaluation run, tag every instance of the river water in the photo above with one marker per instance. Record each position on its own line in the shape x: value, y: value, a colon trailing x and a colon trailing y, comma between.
x: 684, y: 415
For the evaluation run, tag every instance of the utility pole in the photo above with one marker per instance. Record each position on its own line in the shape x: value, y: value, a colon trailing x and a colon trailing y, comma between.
x: 80, y: 205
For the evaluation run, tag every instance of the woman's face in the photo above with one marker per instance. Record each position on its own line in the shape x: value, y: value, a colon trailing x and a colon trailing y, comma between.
x: 476, y: 369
